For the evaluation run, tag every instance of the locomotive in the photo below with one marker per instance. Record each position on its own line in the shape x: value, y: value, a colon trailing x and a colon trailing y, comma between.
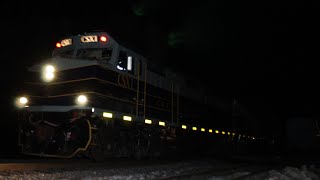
x: 96, y: 98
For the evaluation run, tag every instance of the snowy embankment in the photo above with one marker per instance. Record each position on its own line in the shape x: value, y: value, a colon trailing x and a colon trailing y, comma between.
x: 141, y: 172
x: 289, y: 173
x: 226, y: 171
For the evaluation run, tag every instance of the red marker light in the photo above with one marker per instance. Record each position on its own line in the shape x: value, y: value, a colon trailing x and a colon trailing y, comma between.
x: 103, y: 39
x: 58, y: 45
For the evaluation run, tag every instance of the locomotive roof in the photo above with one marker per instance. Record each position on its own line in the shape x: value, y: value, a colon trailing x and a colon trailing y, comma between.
x: 152, y: 66
x: 110, y: 38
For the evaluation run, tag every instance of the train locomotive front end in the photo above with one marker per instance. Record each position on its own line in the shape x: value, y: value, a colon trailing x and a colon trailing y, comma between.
x: 96, y: 98
x: 56, y: 112
x: 89, y: 99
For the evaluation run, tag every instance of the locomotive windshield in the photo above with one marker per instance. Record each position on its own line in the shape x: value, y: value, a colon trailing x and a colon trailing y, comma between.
x: 65, y: 54
x: 95, y: 54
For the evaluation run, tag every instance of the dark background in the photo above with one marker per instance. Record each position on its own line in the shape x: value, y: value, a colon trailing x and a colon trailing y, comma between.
x: 262, y: 54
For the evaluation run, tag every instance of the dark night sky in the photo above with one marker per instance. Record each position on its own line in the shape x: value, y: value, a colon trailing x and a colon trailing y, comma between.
x: 261, y: 53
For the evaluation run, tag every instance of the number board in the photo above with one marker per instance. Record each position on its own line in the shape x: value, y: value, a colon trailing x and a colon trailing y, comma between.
x: 66, y: 42
x: 89, y: 39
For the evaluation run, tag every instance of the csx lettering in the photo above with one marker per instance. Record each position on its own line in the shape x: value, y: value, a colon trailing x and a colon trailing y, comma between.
x: 87, y: 39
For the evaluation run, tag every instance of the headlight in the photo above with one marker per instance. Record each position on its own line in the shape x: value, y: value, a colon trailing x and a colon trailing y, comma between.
x: 21, y: 102
x: 48, y: 73
x: 81, y: 100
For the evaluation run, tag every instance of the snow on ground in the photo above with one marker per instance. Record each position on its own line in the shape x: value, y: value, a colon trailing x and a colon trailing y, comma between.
x: 141, y: 172
x: 287, y: 173
x: 167, y: 171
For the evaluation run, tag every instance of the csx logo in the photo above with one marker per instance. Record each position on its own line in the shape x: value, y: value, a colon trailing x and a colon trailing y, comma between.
x: 87, y: 39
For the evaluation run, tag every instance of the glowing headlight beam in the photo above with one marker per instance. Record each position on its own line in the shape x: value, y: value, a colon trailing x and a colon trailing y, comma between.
x: 48, y: 73
x: 49, y: 68
x: 21, y: 102
x: 81, y: 100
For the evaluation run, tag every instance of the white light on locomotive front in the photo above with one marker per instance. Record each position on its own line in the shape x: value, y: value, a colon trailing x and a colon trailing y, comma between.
x: 49, y: 76
x: 23, y: 100
x: 48, y: 73
x: 82, y: 100
x: 50, y: 68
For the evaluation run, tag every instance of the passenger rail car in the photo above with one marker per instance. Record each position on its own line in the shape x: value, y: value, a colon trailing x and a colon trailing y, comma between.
x: 96, y: 98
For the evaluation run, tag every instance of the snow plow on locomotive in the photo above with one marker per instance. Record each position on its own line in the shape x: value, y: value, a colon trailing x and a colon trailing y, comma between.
x: 96, y: 98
